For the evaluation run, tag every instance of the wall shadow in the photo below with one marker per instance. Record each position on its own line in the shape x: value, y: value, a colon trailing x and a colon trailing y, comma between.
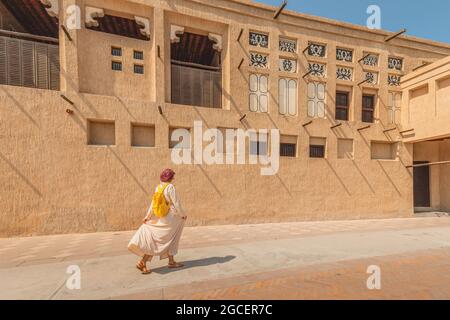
x: 196, y: 264
x: 20, y: 107
x: 21, y: 175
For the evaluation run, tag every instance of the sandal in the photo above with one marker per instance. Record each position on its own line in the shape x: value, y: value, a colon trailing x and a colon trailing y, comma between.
x: 175, y: 265
x: 143, y: 268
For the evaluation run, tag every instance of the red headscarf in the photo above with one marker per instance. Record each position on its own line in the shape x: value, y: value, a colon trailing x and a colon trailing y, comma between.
x: 167, y: 175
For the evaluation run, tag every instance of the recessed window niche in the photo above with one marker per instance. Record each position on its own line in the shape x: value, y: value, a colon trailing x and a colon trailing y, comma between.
x: 101, y: 133
x: 142, y: 135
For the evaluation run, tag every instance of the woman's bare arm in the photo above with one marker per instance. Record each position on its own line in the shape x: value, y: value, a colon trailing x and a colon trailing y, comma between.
x: 149, y: 215
x: 176, y: 202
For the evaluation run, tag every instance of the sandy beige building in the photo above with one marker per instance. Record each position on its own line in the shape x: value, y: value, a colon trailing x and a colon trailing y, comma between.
x: 426, y: 102
x: 91, y: 90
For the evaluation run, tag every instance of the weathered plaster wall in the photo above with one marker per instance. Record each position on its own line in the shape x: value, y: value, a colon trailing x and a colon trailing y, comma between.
x: 445, y: 176
x: 53, y: 182
x: 425, y: 102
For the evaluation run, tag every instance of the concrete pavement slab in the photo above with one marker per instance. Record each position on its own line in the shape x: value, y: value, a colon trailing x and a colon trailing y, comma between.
x: 107, y: 277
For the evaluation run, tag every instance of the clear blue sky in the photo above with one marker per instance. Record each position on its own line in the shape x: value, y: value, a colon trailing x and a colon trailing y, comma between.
x: 422, y: 18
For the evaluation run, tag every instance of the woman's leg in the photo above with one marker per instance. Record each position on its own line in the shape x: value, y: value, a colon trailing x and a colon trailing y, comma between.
x: 142, y: 265
x: 173, y: 263
x: 146, y: 258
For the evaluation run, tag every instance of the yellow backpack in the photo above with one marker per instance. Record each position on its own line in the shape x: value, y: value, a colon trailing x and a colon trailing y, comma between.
x: 160, y: 205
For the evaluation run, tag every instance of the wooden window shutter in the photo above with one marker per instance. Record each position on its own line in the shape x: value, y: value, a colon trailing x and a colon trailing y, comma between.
x: 186, y: 76
x: 14, y: 70
x: 28, y: 70
x: 3, y: 62
x: 54, y: 69
x: 176, y: 88
x: 196, y: 99
x: 217, y: 90
x: 42, y: 66
x: 208, y: 88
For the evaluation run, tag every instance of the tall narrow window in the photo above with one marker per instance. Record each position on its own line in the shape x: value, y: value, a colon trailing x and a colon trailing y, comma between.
x: 316, y: 100
x: 259, y: 97
x: 342, y: 105
x: 394, y: 107
x: 287, y: 90
x: 368, y: 108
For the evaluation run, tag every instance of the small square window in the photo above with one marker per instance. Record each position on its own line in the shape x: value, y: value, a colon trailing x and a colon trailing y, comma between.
x: 317, y: 147
x: 116, y: 51
x: 139, y: 69
x: 381, y: 150
x: 117, y: 66
x: 138, y: 55
x: 345, y: 149
x: 288, y: 146
x: 142, y: 135
x: 288, y: 150
x: 101, y: 133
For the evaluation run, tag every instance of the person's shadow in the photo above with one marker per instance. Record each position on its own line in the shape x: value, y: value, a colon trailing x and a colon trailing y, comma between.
x: 195, y: 264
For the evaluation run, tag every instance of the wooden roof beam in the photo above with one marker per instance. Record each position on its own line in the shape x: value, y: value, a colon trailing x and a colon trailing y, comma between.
x: 389, y: 38
x: 280, y: 9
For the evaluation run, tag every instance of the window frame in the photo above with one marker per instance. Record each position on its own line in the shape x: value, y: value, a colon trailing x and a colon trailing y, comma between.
x: 138, y: 55
x: 136, y: 68
x: 313, y: 147
x: 394, y: 109
x: 118, y: 63
x: 286, y: 96
x: 365, y: 109
x: 118, y: 49
x: 316, y: 100
x: 342, y: 107
x: 318, y: 144
x: 286, y: 155
x: 258, y: 93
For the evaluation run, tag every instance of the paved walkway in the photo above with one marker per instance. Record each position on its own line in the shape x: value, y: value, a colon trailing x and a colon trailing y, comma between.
x: 308, y: 260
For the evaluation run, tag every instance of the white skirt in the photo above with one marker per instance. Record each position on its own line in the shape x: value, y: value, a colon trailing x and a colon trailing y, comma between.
x: 158, y: 237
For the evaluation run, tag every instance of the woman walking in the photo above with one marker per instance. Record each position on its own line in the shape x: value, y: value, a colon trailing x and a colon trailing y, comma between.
x: 162, y: 227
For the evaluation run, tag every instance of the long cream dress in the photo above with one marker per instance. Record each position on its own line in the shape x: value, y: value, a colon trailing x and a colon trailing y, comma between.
x: 160, y: 236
